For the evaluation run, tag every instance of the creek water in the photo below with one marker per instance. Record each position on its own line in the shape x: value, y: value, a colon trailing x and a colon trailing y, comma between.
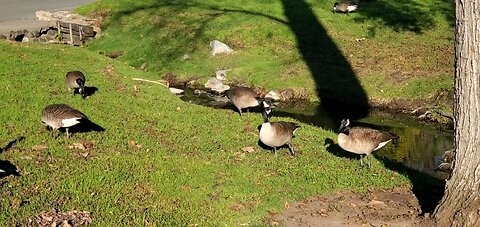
x: 420, y: 146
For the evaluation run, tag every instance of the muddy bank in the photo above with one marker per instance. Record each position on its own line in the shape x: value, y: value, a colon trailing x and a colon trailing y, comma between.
x: 393, y: 207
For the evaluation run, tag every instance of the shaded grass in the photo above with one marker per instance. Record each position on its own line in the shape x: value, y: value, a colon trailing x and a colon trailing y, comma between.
x: 409, y: 42
x: 160, y: 161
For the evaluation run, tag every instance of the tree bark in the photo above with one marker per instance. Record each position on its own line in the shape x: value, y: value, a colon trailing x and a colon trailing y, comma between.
x: 460, y: 206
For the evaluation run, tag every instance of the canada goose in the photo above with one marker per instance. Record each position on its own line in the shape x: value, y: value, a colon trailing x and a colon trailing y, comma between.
x: 344, y: 7
x: 62, y: 116
x: 243, y: 98
x: 361, y: 140
x: 276, y: 134
x: 447, y: 161
x: 76, y: 80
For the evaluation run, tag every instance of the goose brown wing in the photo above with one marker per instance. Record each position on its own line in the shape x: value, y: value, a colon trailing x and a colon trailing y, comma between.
x: 285, y: 127
x: 370, y: 134
x: 64, y: 111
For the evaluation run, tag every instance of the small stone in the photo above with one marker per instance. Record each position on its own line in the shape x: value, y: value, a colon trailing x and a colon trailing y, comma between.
x: 221, y: 74
x: 273, y: 95
x: 185, y: 57
x: 221, y: 89
x: 176, y: 91
x: 198, y: 92
x: 219, y: 48
x: 212, y: 83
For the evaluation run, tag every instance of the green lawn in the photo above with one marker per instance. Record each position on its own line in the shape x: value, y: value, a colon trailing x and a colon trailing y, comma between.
x: 160, y: 160
x: 401, y: 49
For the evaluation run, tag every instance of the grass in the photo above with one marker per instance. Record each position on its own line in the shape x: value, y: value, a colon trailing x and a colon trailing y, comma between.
x: 405, y: 47
x: 160, y: 161
x: 165, y: 162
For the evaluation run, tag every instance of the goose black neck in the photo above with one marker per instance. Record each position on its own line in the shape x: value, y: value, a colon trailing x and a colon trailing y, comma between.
x: 265, y: 116
x: 346, y: 130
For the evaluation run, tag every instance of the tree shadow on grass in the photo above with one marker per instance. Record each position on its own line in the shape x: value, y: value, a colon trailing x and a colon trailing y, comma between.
x: 11, y: 144
x: 428, y: 189
x: 337, y: 87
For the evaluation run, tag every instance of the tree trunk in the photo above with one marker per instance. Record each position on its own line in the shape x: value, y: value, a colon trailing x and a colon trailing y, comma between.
x: 460, y: 206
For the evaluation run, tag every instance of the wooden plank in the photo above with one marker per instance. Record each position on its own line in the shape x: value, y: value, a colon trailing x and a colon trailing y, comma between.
x: 77, y: 33
x: 76, y: 27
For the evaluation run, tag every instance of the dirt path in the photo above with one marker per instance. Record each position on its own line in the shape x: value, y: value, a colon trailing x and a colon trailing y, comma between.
x: 395, y: 207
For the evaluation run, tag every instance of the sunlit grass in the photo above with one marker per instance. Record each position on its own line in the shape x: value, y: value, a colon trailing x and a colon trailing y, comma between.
x: 160, y: 161
x: 408, y: 41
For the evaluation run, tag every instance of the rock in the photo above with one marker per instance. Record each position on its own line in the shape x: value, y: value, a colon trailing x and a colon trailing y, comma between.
x: 273, y: 95
x: 51, y: 32
x: 198, y: 92
x: 26, y: 39
x: 219, y: 48
x: 176, y: 91
x: 212, y: 83
x: 221, y: 74
x: 221, y: 88
x: 185, y: 57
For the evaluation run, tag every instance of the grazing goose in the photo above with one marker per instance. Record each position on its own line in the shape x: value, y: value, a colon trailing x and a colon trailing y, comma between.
x: 61, y: 116
x: 76, y: 80
x: 344, y: 7
x: 360, y: 140
x: 276, y: 134
x: 243, y: 98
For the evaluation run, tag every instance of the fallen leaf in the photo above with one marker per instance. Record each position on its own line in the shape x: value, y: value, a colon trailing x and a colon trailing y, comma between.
x: 375, y: 202
x: 39, y: 147
x: 248, y: 149
x: 79, y: 146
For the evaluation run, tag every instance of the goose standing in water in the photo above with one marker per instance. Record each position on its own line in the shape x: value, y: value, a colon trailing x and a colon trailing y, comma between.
x: 276, y: 134
x: 243, y: 98
x: 361, y: 140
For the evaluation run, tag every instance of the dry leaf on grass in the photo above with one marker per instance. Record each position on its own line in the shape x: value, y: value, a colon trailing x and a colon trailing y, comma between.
x: 248, y: 149
x: 55, y: 218
x: 39, y: 147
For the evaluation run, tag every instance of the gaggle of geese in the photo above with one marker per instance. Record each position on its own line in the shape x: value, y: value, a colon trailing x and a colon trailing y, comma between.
x: 357, y: 140
x: 56, y: 116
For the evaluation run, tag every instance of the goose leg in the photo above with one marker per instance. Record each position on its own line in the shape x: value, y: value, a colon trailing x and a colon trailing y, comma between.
x: 361, y: 160
x: 369, y: 161
x: 275, y: 151
x: 66, y: 130
x: 248, y: 113
x: 240, y: 111
x: 290, y: 146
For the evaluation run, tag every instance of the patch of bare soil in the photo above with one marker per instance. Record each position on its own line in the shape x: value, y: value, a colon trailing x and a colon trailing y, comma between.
x: 394, y: 207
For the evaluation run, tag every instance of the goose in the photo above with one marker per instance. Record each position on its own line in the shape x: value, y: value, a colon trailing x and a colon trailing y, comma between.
x: 76, y: 80
x: 62, y: 116
x: 243, y: 98
x: 276, y: 134
x: 361, y: 140
x: 344, y: 7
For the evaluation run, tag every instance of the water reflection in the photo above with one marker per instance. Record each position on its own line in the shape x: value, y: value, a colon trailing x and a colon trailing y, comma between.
x: 420, y: 146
